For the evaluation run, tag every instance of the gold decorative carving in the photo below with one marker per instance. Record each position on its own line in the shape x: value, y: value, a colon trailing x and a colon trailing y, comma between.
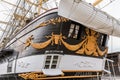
x: 53, y: 21
x: 32, y: 75
x: 28, y: 41
x: 56, y: 39
x: 73, y: 47
x: 41, y: 45
x: 88, y: 46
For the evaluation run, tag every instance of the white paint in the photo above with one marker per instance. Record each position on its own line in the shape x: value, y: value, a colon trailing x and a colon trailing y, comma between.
x: 52, y: 72
x: 30, y: 63
x: 89, y: 16
x: 35, y: 63
x: 70, y: 62
x: 3, y: 68
x: 66, y: 62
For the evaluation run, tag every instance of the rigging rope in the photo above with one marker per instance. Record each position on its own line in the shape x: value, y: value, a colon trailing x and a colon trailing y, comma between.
x: 111, y: 1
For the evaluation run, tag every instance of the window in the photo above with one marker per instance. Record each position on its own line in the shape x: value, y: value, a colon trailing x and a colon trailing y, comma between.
x: 9, y: 69
x: 104, y: 40
x: 74, y: 30
x: 51, y: 61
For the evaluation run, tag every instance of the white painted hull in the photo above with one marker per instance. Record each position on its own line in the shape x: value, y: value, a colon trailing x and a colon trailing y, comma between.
x: 66, y: 63
x: 89, y: 16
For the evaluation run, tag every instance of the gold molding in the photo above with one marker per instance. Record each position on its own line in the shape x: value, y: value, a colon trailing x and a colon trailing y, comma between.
x: 28, y: 41
x: 32, y: 75
x: 41, y: 76
x: 53, y: 21
x: 41, y: 45
x: 73, y: 47
x: 88, y: 46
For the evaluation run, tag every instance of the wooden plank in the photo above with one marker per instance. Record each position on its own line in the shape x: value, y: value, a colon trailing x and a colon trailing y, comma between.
x: 66, y: 77
x: 97, y: 2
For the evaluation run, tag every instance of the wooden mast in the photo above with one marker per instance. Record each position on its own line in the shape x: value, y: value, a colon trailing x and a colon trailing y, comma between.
x: 7, y: 23
x: 39, y: 6
x: 97, y: 2
x: 16, y: 6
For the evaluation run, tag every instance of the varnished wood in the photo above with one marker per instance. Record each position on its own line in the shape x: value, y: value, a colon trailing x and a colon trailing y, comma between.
x: 40, y: 75
x: 97, y: 2
x: 66, y: 77
x: 81, y: 71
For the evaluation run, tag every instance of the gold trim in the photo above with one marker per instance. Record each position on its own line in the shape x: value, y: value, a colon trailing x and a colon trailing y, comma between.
x: 28, y: 41
x: 41, y: 76
x: 67, y: 77
x: 53, y: 21
x: 88, y: 46
x: 56, y: 39
x: 32, y: 75
x: 41, y: 45
x: 73, y: 47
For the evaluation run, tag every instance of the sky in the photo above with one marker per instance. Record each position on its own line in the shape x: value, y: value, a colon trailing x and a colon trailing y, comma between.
x: 112, y: 9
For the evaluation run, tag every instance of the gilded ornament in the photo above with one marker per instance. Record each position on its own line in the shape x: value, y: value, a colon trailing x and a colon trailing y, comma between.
x: 53, y: 21
x: 88, y: 46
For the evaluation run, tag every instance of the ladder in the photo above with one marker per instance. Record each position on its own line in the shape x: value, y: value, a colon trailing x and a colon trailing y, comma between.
x: 107, y: 68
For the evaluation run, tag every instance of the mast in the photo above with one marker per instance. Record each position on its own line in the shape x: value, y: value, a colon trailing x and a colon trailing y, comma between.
x: 7, y: 23
x: 39, y: 6
x: 97, y: 2
x: 24, y: 11
x: 16, y: 6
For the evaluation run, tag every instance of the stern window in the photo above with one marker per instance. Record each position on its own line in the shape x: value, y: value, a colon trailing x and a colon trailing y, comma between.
x: 51, y: 61
x: 9, y: 67
x: 104, y: 40
x: 74, y: 30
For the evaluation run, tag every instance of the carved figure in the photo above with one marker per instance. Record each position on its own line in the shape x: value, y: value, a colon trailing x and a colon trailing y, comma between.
x: 90, y: 45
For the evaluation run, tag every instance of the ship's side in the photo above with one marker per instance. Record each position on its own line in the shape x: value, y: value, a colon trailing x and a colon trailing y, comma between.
x: 53, y: 47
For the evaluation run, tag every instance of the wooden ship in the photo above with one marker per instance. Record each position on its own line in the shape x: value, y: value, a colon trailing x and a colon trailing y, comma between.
x: 60, y: 42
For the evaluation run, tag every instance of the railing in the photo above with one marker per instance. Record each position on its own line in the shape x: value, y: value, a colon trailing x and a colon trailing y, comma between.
x: 107, y: 70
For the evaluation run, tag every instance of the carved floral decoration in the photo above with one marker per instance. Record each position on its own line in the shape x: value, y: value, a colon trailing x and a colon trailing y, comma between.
x: 88, y: 46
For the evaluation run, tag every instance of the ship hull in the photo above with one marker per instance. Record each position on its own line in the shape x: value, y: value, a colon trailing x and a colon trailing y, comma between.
x: 54, y: 47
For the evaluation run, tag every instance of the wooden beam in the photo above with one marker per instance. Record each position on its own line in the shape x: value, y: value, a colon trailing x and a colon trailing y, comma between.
x: 41, y: 76
x: 7, y: 23
x: 28, y: 1
x: 2, y: 30
x: 31, y: 2
x: 81, y: 70
x: 68, y: 77
x: 97, y: 2
x: 3, y: 22
x: 16, y: 6
x: 17, y: 16
x: 39, y: 6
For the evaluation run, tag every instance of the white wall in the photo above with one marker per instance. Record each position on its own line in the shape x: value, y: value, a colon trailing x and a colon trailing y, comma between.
x: 3, y: 68
x: 113, y: 44
x: 69, y: 62
x: 31, y: 63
